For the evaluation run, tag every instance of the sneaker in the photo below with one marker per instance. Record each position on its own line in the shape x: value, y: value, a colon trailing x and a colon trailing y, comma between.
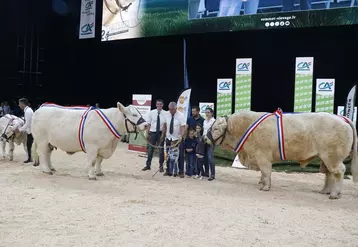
x: 167, y: 174
x: 196, y: 176
x: 146, y: 168
x: 211, y: 178
x: 27, y: 161
x: 161, y: 169
x: 181, y: 175
x: 175, y: 175
x: 188, y: 176
x: 201, y: 177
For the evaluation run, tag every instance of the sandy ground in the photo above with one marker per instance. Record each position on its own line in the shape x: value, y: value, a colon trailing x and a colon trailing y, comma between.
x: 127, y: 207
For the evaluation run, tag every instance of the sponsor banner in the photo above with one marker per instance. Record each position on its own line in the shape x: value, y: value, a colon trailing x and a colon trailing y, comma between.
x: 303, y: 84
x: 203, y: 107
x: 143, y: 103
x: 184, y: 101
x: 340, y: 112
x: 325, y: 95
x: 88, y: 19
x: 224, y: 97
x: 350, y: 103
x: 243, y: 84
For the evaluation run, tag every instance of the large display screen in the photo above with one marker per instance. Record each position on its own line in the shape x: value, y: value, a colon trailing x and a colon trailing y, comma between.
x: 126, y: 19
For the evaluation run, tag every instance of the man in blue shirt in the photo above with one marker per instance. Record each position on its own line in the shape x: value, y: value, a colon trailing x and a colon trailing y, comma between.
x: 195, y: 119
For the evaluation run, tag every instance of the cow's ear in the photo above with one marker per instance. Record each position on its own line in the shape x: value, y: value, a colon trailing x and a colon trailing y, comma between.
x: 121, y: 107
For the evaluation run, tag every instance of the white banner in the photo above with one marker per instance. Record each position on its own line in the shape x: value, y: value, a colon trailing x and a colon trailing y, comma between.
x: 340, y: 112
x: 183, y: 102
x: 203, y: 107
x: 325, y: 89
x: 350, y: 102
x: 88, y: 19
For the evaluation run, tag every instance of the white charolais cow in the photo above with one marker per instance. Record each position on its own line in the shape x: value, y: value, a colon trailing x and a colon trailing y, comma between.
x: 305, y: 136
x: 76, y: 129
x: 8, y: 125
x: 112, y: 7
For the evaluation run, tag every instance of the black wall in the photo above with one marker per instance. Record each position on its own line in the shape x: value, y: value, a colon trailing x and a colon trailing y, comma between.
x: 90, y: 71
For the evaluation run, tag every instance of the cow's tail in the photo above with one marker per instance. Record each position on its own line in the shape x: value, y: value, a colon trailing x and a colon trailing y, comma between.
x: 354, y: 162
x: 34, y: 153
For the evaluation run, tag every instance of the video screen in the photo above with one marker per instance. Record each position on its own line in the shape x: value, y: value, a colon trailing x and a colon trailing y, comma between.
x: 127, y: 19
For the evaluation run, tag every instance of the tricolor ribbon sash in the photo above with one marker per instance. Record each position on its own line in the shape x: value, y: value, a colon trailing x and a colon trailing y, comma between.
x: 81, y: 127
x: 280, y: 135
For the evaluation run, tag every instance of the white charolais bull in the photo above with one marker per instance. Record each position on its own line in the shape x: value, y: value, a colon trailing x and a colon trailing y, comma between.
x: 305, y: 136
x: 8, y: 125
x: 112, y: 7
x: 75, y: 129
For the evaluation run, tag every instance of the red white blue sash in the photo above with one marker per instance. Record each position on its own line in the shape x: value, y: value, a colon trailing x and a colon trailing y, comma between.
x: 281, y: 143
x: 81, y: 127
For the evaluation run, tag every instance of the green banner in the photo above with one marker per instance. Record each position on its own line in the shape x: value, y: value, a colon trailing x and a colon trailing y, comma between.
x: 325, y: 95
x: 243, y: 84
x: 224, y: 97
x: 303, y: 84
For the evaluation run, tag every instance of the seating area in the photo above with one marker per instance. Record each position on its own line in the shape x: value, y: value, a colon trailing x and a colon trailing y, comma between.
x: 210, y: 8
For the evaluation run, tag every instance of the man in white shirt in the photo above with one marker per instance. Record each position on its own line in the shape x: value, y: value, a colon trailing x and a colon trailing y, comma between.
x: 24, y: 105
x: 173, y: 131
x: 156, y: 119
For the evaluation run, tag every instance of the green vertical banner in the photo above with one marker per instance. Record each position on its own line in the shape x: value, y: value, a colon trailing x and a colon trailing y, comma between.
x: 303, y: 84
x: 325, y: 95
x: 243, y: 84
x: 224, y: 97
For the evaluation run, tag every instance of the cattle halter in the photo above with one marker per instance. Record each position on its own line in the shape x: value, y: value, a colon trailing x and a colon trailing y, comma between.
x: 280, y: 135
x: 3, y: 134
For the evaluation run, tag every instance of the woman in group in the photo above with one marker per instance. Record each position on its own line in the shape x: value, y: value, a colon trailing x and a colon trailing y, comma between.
x: 209, y: 112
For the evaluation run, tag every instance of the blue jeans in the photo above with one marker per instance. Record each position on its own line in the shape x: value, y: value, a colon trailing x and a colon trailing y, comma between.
x: 155, y: 140
x: 190, y: 164
x: 210, y: 159
x: 173, y: 160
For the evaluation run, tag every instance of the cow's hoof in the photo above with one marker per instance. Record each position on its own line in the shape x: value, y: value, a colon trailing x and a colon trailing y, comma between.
x: 49, y: 173
x: 334, y: 196
x: 90, y: 178
x: 53, y: 169
x: 265, y: 188
x: 100, y: 174
x: 260, y: 182
x: 324, y: 192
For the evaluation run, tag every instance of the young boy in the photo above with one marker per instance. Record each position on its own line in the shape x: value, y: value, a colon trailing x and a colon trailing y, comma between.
x: 189, y: 146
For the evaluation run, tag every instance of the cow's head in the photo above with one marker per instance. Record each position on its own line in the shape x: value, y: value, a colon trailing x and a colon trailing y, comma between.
x: 124, y: 4
x: 134, y: 121
x: 9, y: 130
x: 217, y: 131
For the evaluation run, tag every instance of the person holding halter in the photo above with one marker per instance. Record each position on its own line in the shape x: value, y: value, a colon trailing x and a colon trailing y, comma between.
x: 156, y: 119
x: 173, y: 131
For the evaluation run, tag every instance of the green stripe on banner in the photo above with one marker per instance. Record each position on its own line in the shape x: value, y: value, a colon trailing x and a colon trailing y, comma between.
x: 303, y: 84
x: 243, y: 84
x: 325, y: 95
x: 224, y: 97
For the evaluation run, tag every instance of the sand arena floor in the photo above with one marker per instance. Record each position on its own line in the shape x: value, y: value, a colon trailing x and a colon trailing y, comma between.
x: 127, y: 207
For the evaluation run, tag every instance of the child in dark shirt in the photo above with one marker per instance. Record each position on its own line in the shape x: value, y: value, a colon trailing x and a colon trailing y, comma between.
x: 189, y: 146
x: 199, y: 152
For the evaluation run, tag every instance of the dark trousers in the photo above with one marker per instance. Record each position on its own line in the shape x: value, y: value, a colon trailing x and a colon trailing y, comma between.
x: 190, y: 164
x: 288, y: 5
x: 155, y: 140
x: 181, y: 158
x: 200, y: 166
x: 206, y: 162
x: 29, y: 142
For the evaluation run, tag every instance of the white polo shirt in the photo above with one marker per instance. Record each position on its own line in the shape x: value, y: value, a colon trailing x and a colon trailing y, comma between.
x: 28, y: 118
x: 207, y: 125
x: 179, y: 120
x: 152, y: 119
